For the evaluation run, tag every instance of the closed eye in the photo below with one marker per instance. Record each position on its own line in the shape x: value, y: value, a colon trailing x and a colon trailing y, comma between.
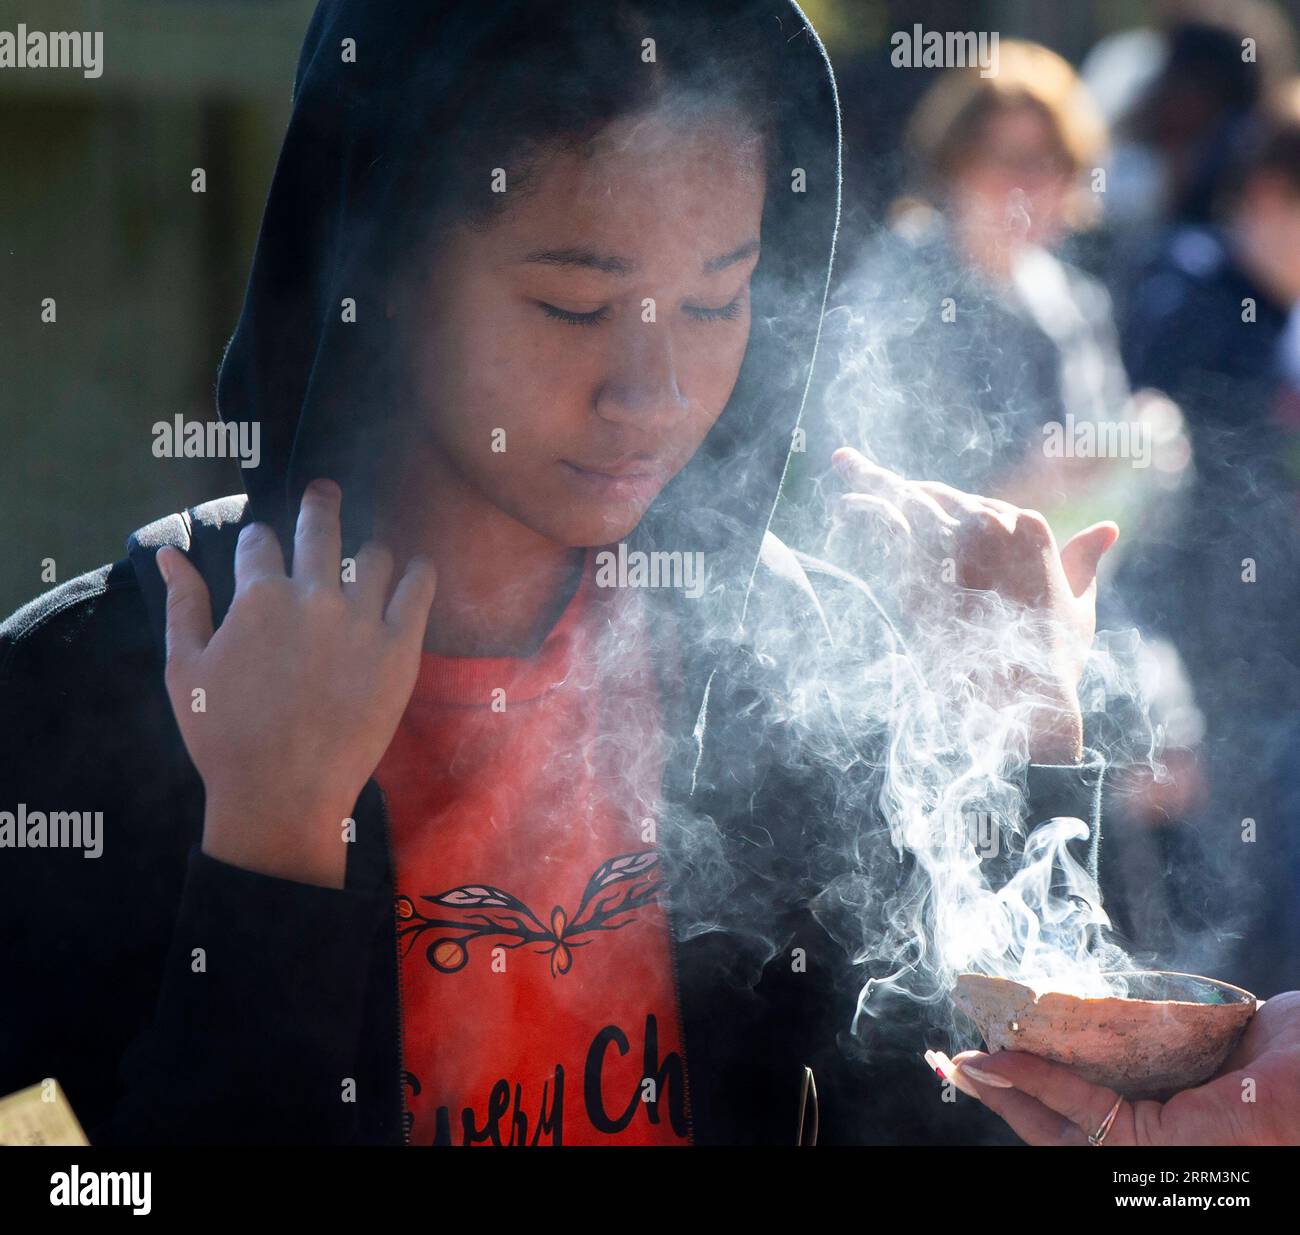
x: 574, y: 319
x: 701, y: 313
x: 726, y: 313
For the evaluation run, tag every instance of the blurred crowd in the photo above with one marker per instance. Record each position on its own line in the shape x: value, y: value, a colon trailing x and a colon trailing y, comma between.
x: 1108, y: 257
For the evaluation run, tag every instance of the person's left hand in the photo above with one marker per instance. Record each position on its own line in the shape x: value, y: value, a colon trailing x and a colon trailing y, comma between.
x: 983, y: 544
x: 1046, y: 1104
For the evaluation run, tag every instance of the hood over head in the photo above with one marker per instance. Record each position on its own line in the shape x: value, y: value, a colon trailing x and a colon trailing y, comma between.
x: 394, y: 107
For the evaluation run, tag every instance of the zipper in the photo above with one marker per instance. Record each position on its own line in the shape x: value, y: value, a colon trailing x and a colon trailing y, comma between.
x: 681, y: 1022
x: 808, y: 1090
x: 403, y: 1116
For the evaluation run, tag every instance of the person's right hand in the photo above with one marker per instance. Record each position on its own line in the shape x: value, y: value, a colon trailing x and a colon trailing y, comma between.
x: 303, y: 686
x: 993, y: 546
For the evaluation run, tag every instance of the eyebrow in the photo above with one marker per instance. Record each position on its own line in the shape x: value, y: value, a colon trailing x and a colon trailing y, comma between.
x: 609, y: 264
x: 581, y: 257
x: 748, y: 249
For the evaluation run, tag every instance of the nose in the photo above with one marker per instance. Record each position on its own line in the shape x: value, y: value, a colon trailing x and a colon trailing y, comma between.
x: 641, y: 386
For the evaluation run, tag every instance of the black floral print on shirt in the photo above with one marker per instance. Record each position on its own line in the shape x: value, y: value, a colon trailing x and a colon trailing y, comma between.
x: 616, y: 890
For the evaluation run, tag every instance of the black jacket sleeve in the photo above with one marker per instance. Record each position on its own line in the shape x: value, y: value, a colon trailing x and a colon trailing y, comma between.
x: 174, y: 997
x: 1072, y: 790
x: 259, y: 1014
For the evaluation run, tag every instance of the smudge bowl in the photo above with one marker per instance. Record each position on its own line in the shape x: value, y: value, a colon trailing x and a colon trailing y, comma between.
x: 1171, y: 1032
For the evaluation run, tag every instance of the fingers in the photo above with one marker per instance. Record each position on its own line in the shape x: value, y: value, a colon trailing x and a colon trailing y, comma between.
x: 860, y: 472
x: 977, y: 509
x: 374, y: 571
x: 1047, y: 1104
x: 886, y: 512
x: 189, y: 607
x: 1082, y: 553
x: 318, y: 538
x: 408, y: 611
x: 970, y: 505
x: 919, y: 509
x: 257, y: 555
x: 949, y: 506
x: 1028, y: 1118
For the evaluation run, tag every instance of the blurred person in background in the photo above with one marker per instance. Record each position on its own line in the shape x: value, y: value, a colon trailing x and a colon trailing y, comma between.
x: 1217, y: 302
x: 1180, y: 97
x: 1214, y: 321
x: 972, y: 310
x: 1220, y: 61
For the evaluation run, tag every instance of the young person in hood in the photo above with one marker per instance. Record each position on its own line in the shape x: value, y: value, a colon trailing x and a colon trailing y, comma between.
x: 413, y: 830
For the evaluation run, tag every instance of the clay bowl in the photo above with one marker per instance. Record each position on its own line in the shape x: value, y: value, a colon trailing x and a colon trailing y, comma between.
x: 1172, y: 1032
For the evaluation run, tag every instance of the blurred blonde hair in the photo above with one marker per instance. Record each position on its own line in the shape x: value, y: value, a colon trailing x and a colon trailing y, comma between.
x: 943, y: 131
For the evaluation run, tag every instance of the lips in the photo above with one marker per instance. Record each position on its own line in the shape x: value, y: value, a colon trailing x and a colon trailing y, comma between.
x: 627, y: 479
x: 619, y: 469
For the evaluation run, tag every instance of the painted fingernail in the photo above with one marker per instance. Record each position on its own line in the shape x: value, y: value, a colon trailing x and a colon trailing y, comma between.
x: 946, y: 1070
x: 985, y: 1078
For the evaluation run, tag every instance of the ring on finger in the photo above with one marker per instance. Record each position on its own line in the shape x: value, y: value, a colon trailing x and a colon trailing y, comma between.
x: 1099, y: 1137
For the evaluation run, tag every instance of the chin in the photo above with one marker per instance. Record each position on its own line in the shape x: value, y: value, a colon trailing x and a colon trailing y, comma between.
x: 596, y: 528
x: 591, y: 537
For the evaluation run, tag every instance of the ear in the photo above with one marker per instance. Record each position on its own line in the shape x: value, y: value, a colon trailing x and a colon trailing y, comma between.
x: 1083, y: 551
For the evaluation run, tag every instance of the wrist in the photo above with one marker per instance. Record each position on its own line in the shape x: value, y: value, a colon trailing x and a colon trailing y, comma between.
x: 1056, y: 733
x: 288, y: 841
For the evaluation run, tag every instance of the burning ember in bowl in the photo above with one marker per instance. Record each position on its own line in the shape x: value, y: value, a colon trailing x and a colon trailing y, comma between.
x: 1173, y: 1030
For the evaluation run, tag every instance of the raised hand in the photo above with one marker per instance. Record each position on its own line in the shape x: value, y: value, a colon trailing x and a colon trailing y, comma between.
x: 288, y: 707
x: 947, y: 537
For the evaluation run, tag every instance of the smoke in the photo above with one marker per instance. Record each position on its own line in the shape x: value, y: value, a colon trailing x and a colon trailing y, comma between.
x: 974, y: 889
x: 922, y: 705
x: 938, y: 867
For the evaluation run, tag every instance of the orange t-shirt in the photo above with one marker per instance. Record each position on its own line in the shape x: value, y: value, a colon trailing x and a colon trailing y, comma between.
x: 539, y: 1002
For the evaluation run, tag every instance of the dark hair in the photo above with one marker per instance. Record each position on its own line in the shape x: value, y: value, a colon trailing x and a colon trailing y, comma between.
x: 555, y: 75
x: 402, y: 109
x: 1269, y: 146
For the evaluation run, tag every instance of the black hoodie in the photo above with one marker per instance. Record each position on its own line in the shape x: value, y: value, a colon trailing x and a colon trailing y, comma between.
x: 294, y: 990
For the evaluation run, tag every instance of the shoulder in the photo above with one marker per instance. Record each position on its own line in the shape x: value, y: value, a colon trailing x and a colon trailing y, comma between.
x: 100, y: 610
x: 81, y: 689
x: 109, y: 620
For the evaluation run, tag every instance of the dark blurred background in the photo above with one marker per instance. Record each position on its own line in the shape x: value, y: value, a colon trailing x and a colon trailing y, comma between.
x: 1118, y: 298
x: 97, y: 212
